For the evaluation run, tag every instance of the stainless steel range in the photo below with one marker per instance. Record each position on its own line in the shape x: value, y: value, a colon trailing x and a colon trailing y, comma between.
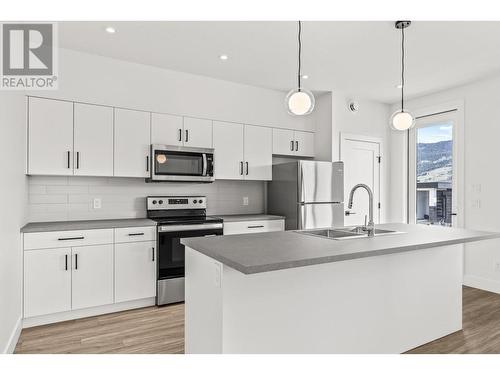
x: 177, y: 217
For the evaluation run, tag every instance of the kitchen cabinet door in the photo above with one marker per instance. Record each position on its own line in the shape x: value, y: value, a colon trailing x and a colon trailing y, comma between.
x: 304, y: 143
x: 93, y: 147
x: 166, y: 129
x: 258, y: 153
x: 50, y: 137
x: 132, y: 142
x: 197, y: 132
x: 47, y: 281
x: 135, y: 271
x: 228, y: 145
x: 92, y: 276
x: 283, y: 142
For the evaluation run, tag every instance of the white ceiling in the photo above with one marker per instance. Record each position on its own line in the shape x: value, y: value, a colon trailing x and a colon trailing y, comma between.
x: 360, y: 58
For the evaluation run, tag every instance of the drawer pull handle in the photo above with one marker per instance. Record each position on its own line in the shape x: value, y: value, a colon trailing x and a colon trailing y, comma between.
x: 255, y: 226
x: 136, y: 234
x: 70, y: 238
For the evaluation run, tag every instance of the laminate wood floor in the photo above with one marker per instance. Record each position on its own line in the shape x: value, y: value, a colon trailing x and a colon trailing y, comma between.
x: 161, y: 330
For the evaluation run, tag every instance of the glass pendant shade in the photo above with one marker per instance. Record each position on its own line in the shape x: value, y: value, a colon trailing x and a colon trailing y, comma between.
x: 401, y: 120
x: 300, y: 102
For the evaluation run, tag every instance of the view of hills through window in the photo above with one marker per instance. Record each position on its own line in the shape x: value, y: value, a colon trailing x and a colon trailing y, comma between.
x: 434, y: 153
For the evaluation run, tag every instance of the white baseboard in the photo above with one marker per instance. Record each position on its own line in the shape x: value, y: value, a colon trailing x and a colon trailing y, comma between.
x: 482, y: 283
x: 14, y: 337
x: 84, y: 313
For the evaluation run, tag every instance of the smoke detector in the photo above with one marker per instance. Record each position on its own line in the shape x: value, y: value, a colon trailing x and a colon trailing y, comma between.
x: 353, y: 106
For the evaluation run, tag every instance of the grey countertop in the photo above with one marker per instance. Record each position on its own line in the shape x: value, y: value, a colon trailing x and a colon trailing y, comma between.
x: 54, y: 226
x: 263, y: 252
x: 249, y: 217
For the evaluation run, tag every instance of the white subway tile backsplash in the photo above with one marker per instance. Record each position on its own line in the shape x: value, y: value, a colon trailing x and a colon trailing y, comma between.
x: 54, y: 198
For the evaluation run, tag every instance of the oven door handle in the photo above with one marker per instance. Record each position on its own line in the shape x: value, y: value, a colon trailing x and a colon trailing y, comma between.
x: 204, y: 164
x: 187, y: 227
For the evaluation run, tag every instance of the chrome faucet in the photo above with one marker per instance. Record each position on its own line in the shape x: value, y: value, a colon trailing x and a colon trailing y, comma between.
x: 370, y: 227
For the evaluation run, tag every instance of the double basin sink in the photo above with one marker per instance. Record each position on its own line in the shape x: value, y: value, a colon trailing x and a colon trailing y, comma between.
x: 346, y: 233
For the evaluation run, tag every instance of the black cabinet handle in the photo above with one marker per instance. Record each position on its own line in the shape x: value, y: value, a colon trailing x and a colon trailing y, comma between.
x: 147, y: 163
x: 153, y: 252
x: 180, y: 135
x: 136, y: 234
x: 296, y: 145
x: 241, y: 168
x: 187, y: 135
x: 76, y: 261
x: 247, y: 167
x: 77, y: 159
x: 255, y: 226
x: 66, y: 262
x: 291, y: 145
x: 70, y: 238
x: 69, y: 154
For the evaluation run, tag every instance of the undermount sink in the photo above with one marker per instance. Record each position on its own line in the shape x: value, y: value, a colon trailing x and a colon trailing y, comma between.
x: 345, y: 233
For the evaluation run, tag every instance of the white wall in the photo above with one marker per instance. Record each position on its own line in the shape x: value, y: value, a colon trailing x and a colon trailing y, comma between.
x: 481, y: 137
x: 332, y: 117
x: 13, y: 199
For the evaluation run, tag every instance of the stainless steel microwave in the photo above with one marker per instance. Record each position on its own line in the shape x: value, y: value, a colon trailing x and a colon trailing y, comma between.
x: 177, y: 163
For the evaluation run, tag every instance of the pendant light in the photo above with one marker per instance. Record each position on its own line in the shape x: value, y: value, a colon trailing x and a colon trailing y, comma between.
x: 299, y: 101
x: 401, y: 119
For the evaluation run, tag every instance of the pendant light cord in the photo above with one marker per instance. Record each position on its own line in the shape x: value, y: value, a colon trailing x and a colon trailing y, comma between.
x: 300, y: 54
x: 402, y: 67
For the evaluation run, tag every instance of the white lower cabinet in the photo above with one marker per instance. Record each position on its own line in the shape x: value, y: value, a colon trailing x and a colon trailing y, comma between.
x: 135, y: 270
x: 92, y: 276
x: 254, y: 226
x: 47, y: 281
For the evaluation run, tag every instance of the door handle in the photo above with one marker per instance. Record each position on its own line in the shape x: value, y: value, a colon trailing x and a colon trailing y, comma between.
x: 247, y: 167
x: 187, y: 135
x: 241, y: 168
x: 153, y: 252
x: 291, y: 145
x: 180, y: 135
x: 68, y: 153
x: 77, y: 159
x: 296, y: 145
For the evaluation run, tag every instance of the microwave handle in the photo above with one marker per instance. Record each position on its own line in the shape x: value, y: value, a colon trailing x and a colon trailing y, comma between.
x: 205, y: 166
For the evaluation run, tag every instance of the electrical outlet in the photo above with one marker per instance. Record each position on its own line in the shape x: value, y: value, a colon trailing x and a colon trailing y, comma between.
x: 245, y: 201
x: 97, y: 203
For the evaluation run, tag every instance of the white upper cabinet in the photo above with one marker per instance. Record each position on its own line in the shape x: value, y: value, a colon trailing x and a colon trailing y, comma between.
x: 197, y: 132
x: 228, y: 144
x: 304, y: 143
x: 283, y: 142
x: 93, y: 140
x: 258, y: 153
x: 132, y: 141
x: 167, y: 129
x: 50, y: 142
x: 293, y: 142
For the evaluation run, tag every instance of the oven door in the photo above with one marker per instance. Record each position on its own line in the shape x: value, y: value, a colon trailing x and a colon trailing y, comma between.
x: 174, y: 163
x: 171, y: 255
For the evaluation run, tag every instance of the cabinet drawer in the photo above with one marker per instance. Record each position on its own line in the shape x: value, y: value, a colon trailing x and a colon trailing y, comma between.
x: 43, y: 240
x: 256, y: 226
x: 135, y: 234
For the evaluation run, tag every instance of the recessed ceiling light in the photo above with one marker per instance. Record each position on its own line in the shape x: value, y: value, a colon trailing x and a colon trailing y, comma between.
x: 223, y: 57
x: 110, y: 30
x: 305, y: 76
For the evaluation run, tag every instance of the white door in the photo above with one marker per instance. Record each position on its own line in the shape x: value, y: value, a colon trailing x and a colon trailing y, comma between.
x: 47, y: 281
x: 166, y: 129
x: 197, y: 132
x: 132, y: 141
x: 92, y: 276
x: 434, y: 174
x: 258, y: 153
x: 228, y: 144
x: 304, y: 143
x: 50, y: 137
x: 283, y: 142
x: 93, y: 147
x: 135, y: 270
x: 361, y: 165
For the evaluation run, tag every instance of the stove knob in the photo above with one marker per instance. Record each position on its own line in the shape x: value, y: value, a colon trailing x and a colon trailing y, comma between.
x: 154, y: 202
x: 195, y: 201
x: 200, y: 201
x: 160, y: 202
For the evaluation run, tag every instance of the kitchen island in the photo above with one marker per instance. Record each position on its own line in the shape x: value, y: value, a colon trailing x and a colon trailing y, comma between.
x: 289, y: 292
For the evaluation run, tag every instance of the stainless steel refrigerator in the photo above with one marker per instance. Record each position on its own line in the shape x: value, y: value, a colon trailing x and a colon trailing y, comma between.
x: 310, y: 194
